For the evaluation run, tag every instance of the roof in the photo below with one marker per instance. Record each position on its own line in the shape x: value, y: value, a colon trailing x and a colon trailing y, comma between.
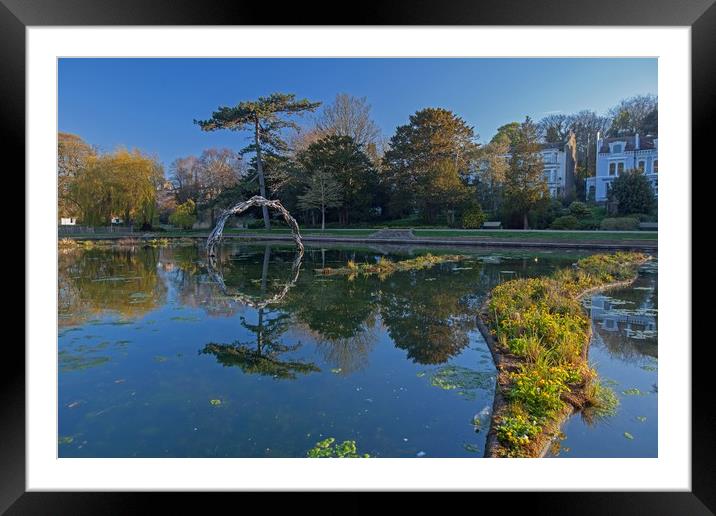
x: 645, y: 142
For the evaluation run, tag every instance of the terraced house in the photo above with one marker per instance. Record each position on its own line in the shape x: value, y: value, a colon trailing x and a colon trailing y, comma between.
x: 617, y: 154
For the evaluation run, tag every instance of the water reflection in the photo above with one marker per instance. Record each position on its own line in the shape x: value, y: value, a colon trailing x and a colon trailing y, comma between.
x: 123, y: 281
x: 624, y: 351
x: 149, y: 339
x: 626, y: 324
x: 263, y: 354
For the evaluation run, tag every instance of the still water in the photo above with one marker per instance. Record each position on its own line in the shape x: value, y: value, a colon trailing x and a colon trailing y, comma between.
x: 155, y: 360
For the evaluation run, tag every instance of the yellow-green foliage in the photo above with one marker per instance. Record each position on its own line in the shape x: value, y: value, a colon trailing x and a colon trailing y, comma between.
x: 327, y: 449
x: 385, y: 266
x: 541, y: 321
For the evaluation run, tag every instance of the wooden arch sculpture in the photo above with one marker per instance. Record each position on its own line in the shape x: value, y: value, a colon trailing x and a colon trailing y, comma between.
x: 215, y: 239
x: 256, y: 200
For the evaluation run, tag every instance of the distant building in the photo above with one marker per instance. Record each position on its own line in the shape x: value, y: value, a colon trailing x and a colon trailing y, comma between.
x: 617, y: 154
x: 560, y: 162
x: 68, y: 221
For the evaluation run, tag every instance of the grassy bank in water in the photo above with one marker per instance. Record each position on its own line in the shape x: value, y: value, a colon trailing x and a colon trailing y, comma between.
x: 384, y: 267
x: 71, y: 243
x: 539, y: 335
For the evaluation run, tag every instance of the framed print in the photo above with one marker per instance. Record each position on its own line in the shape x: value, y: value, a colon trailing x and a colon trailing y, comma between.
x: 428, y: 240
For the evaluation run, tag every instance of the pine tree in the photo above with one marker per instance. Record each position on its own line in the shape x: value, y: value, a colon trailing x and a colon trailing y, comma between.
x: 264, y: 117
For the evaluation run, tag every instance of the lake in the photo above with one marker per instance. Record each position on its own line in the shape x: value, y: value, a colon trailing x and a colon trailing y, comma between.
x: 155, y: 359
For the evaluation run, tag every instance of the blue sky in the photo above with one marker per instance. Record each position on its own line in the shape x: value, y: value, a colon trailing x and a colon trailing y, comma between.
x: 150, y: 104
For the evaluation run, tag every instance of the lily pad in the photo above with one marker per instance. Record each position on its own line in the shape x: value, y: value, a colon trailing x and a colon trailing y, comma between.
x: 215, y: 403
x: 462, y: 380
x: 628, y: 436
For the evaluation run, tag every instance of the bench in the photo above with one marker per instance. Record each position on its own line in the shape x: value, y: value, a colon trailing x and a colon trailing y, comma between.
x: 648, y: 226
x: 492, y: 225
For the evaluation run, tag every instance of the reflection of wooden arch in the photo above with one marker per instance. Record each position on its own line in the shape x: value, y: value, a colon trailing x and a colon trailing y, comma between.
x: 249, y: 300
x: 216, y: 234
x: 215, y: 238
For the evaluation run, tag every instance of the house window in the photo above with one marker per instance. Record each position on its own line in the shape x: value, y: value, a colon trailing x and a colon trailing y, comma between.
x: 591, y: 193
x: 612, y: 169
x: 620, y: 168
x: 642, y: 166
x: 656, y: 166
x: 617, y: 148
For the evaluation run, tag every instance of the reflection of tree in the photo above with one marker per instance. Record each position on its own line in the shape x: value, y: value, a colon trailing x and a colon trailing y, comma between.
x: 181, y: 269
x: 430, y: 319
x: 99, y: 280
x: 335, y: 308
x: 349, y: 354
x: 263, y: 356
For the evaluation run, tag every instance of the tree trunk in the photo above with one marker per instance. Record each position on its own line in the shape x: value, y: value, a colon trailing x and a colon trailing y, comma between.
x: 526, y: 224
x: 323, y: 218
x: 264, y: 269
x: 260, y: 173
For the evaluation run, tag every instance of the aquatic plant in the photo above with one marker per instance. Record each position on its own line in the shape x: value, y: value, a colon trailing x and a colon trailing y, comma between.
x: 326, y: 449
x: 384, y: 266
x: 461, y: 379
x: 157, y: 242
x: 542, y: 332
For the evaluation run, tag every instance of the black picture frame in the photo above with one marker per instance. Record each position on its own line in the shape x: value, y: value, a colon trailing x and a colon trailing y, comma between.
x: 700, y: 15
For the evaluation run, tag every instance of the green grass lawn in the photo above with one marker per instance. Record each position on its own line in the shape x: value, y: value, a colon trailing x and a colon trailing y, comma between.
x: 506, y: 234
x: 471, y: 233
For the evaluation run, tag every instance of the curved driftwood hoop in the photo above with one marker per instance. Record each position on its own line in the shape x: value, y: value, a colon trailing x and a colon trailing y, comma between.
x: 216, y: 234
x: 215, y: 238
x: 218, y: 278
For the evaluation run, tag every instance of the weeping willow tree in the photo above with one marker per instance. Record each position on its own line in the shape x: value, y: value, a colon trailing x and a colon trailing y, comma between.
x: 119, y: 184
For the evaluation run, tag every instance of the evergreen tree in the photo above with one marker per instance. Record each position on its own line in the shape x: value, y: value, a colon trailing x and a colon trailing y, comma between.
x: 266, y: 118
x: 525, y: 185
x: 429, y: 162
x: 632, y: 193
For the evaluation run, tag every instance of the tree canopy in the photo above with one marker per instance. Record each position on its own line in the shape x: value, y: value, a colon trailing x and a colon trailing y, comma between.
x: 428, y: 164
x: 524, y: 181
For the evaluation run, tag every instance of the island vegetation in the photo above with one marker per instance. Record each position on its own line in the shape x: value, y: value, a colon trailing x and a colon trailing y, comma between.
x: 385, y: 266
x: 539, y: 335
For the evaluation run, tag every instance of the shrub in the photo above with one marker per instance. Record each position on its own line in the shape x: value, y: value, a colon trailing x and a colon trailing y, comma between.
x: 632, y: 193
x: 185, y: 215
x: 473, y: 217
x: 565, y: 222
x: 619, y: 224
x: 579, y: 210
x: 587, y: 224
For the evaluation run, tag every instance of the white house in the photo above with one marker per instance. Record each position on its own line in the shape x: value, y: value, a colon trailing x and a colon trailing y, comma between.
x: 560, y: 161
x: 68, y: 221
x: 617, y: 154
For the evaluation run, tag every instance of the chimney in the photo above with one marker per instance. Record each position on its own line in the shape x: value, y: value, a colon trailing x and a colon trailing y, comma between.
x: 636, y: 142
x: 598, y: 142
